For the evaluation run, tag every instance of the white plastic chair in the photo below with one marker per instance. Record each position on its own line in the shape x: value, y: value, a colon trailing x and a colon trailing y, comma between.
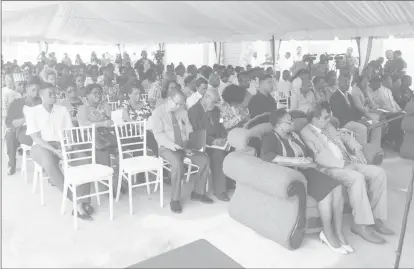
x: 38, y: 177
x: 114, y: 105
x: 72, y: 140
x: 116, y: 116
x: 25, y: 160
x: 135, y: 165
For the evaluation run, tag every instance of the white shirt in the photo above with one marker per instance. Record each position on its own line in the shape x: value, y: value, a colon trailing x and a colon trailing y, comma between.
x: 233, y: 80
x: 284, y: 87
x: 254, y: 87
x: 285, y: 64
x: 180, y: 80
x: 193, y: 99
x: 296, y: 85
x: 334, y: 148
x: 50, y: 125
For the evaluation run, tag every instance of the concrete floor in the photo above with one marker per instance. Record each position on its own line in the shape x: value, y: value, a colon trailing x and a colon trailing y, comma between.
x: 38, y: 236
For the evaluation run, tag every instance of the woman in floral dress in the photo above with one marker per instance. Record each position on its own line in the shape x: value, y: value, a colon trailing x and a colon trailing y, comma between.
x: 137, y: 109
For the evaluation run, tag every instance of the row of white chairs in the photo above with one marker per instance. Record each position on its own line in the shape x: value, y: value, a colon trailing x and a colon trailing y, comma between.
x: 82, y: 140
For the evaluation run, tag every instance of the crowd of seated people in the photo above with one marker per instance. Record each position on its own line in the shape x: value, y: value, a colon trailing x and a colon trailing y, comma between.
x: 184, y: 100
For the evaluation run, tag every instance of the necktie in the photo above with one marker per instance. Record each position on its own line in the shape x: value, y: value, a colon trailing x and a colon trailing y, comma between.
x: 177, y: 131
x: 347, y: 99
x: 345, y: 154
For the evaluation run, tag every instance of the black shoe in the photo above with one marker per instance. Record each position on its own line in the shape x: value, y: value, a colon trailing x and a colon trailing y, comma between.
x: 202, y: 198
x: 222, y: 197
x: 83, y: 216
x: 88, y: 208
x: 11, y: 170
x: 176, y: 207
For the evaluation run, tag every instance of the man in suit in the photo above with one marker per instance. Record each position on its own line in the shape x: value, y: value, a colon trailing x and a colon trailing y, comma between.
x: 344, y: 109
x: 367, y: 184
x: 172, y: 128
x: 205, y: 115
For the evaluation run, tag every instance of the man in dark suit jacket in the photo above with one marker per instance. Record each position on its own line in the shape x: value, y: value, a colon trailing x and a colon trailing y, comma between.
x: 349, y: 117
x: 204, y: 115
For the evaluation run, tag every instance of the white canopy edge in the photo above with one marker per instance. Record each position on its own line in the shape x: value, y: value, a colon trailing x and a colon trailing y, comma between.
x: 402, y: 30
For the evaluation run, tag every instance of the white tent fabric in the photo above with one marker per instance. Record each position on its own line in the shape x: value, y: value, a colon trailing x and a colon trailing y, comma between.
x: 133, y: 22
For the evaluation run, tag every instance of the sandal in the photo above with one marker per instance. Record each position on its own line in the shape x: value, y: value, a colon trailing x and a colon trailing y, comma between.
x: 82, y: 216
x: 88, y: 208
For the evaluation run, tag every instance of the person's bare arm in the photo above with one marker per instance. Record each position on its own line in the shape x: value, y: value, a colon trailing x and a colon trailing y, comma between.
x: 84, y: 120
x: 37, y: 139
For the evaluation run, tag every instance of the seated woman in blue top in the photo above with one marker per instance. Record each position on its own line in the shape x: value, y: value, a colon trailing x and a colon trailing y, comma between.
x: 283, y: 145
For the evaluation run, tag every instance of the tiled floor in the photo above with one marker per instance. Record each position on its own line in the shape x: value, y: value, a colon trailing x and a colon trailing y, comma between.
x: 36, y: 236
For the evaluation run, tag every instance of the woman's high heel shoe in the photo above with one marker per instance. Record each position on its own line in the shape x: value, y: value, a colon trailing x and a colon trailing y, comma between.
x: 347, y: 248
x: 323, y: 239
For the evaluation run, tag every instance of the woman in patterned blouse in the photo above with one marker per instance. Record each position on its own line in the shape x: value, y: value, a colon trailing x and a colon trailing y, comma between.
x: 137, y: 109
x: 72, y: 102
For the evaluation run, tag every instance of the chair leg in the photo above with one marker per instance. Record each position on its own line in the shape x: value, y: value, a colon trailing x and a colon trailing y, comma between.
x: 161, y: 181
x: 98, y: 199
x: 147, y: 181
x: 75, y: 208
x: 41, y: 179
x: 65, y: 195
x: 35, y: 179
x: 130, y: 194
x: 111, y: 200
x: 120, y: 177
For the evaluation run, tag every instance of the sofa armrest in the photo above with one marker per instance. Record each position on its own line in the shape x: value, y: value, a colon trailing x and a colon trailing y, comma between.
x: 239, y: 137
x: 262, y: 176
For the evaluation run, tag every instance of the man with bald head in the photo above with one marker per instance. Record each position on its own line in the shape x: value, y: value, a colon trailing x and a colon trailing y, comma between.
x: 205, y: 115
x: 172, y: 128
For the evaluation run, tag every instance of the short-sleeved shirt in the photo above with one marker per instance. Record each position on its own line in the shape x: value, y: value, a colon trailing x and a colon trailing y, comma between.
x: 49, y: 124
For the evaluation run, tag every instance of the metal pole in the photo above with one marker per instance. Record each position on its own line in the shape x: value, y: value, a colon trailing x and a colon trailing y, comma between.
x: 409, y: 196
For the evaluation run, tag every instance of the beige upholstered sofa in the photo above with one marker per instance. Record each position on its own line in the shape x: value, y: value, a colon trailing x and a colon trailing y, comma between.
x: 270, y: 199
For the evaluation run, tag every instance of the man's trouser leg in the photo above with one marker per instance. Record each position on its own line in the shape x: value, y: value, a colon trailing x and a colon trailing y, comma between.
x: 11, y: 146
x: 376, y: 181
x: 216, y: 162
x: 176, y: 160
x: 357, y: 192
x: 200, y: 179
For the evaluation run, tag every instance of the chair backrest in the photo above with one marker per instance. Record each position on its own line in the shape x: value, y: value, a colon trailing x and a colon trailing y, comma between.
x: 131, y: 137
x: 78, y: 144
x: 114, y: 105
x: 144, y: 96
x: 116, y: 116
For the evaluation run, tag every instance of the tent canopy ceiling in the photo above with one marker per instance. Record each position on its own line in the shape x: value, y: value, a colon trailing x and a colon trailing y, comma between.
x: 130, y: 22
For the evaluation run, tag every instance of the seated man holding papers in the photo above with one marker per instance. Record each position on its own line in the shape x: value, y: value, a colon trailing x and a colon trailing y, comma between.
x: 205, y: 115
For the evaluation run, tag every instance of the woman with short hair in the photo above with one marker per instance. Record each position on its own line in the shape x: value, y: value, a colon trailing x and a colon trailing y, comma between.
x: 284, y: 147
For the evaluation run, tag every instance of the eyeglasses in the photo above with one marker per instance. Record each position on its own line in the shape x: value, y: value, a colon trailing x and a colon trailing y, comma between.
x: 287, y: 122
